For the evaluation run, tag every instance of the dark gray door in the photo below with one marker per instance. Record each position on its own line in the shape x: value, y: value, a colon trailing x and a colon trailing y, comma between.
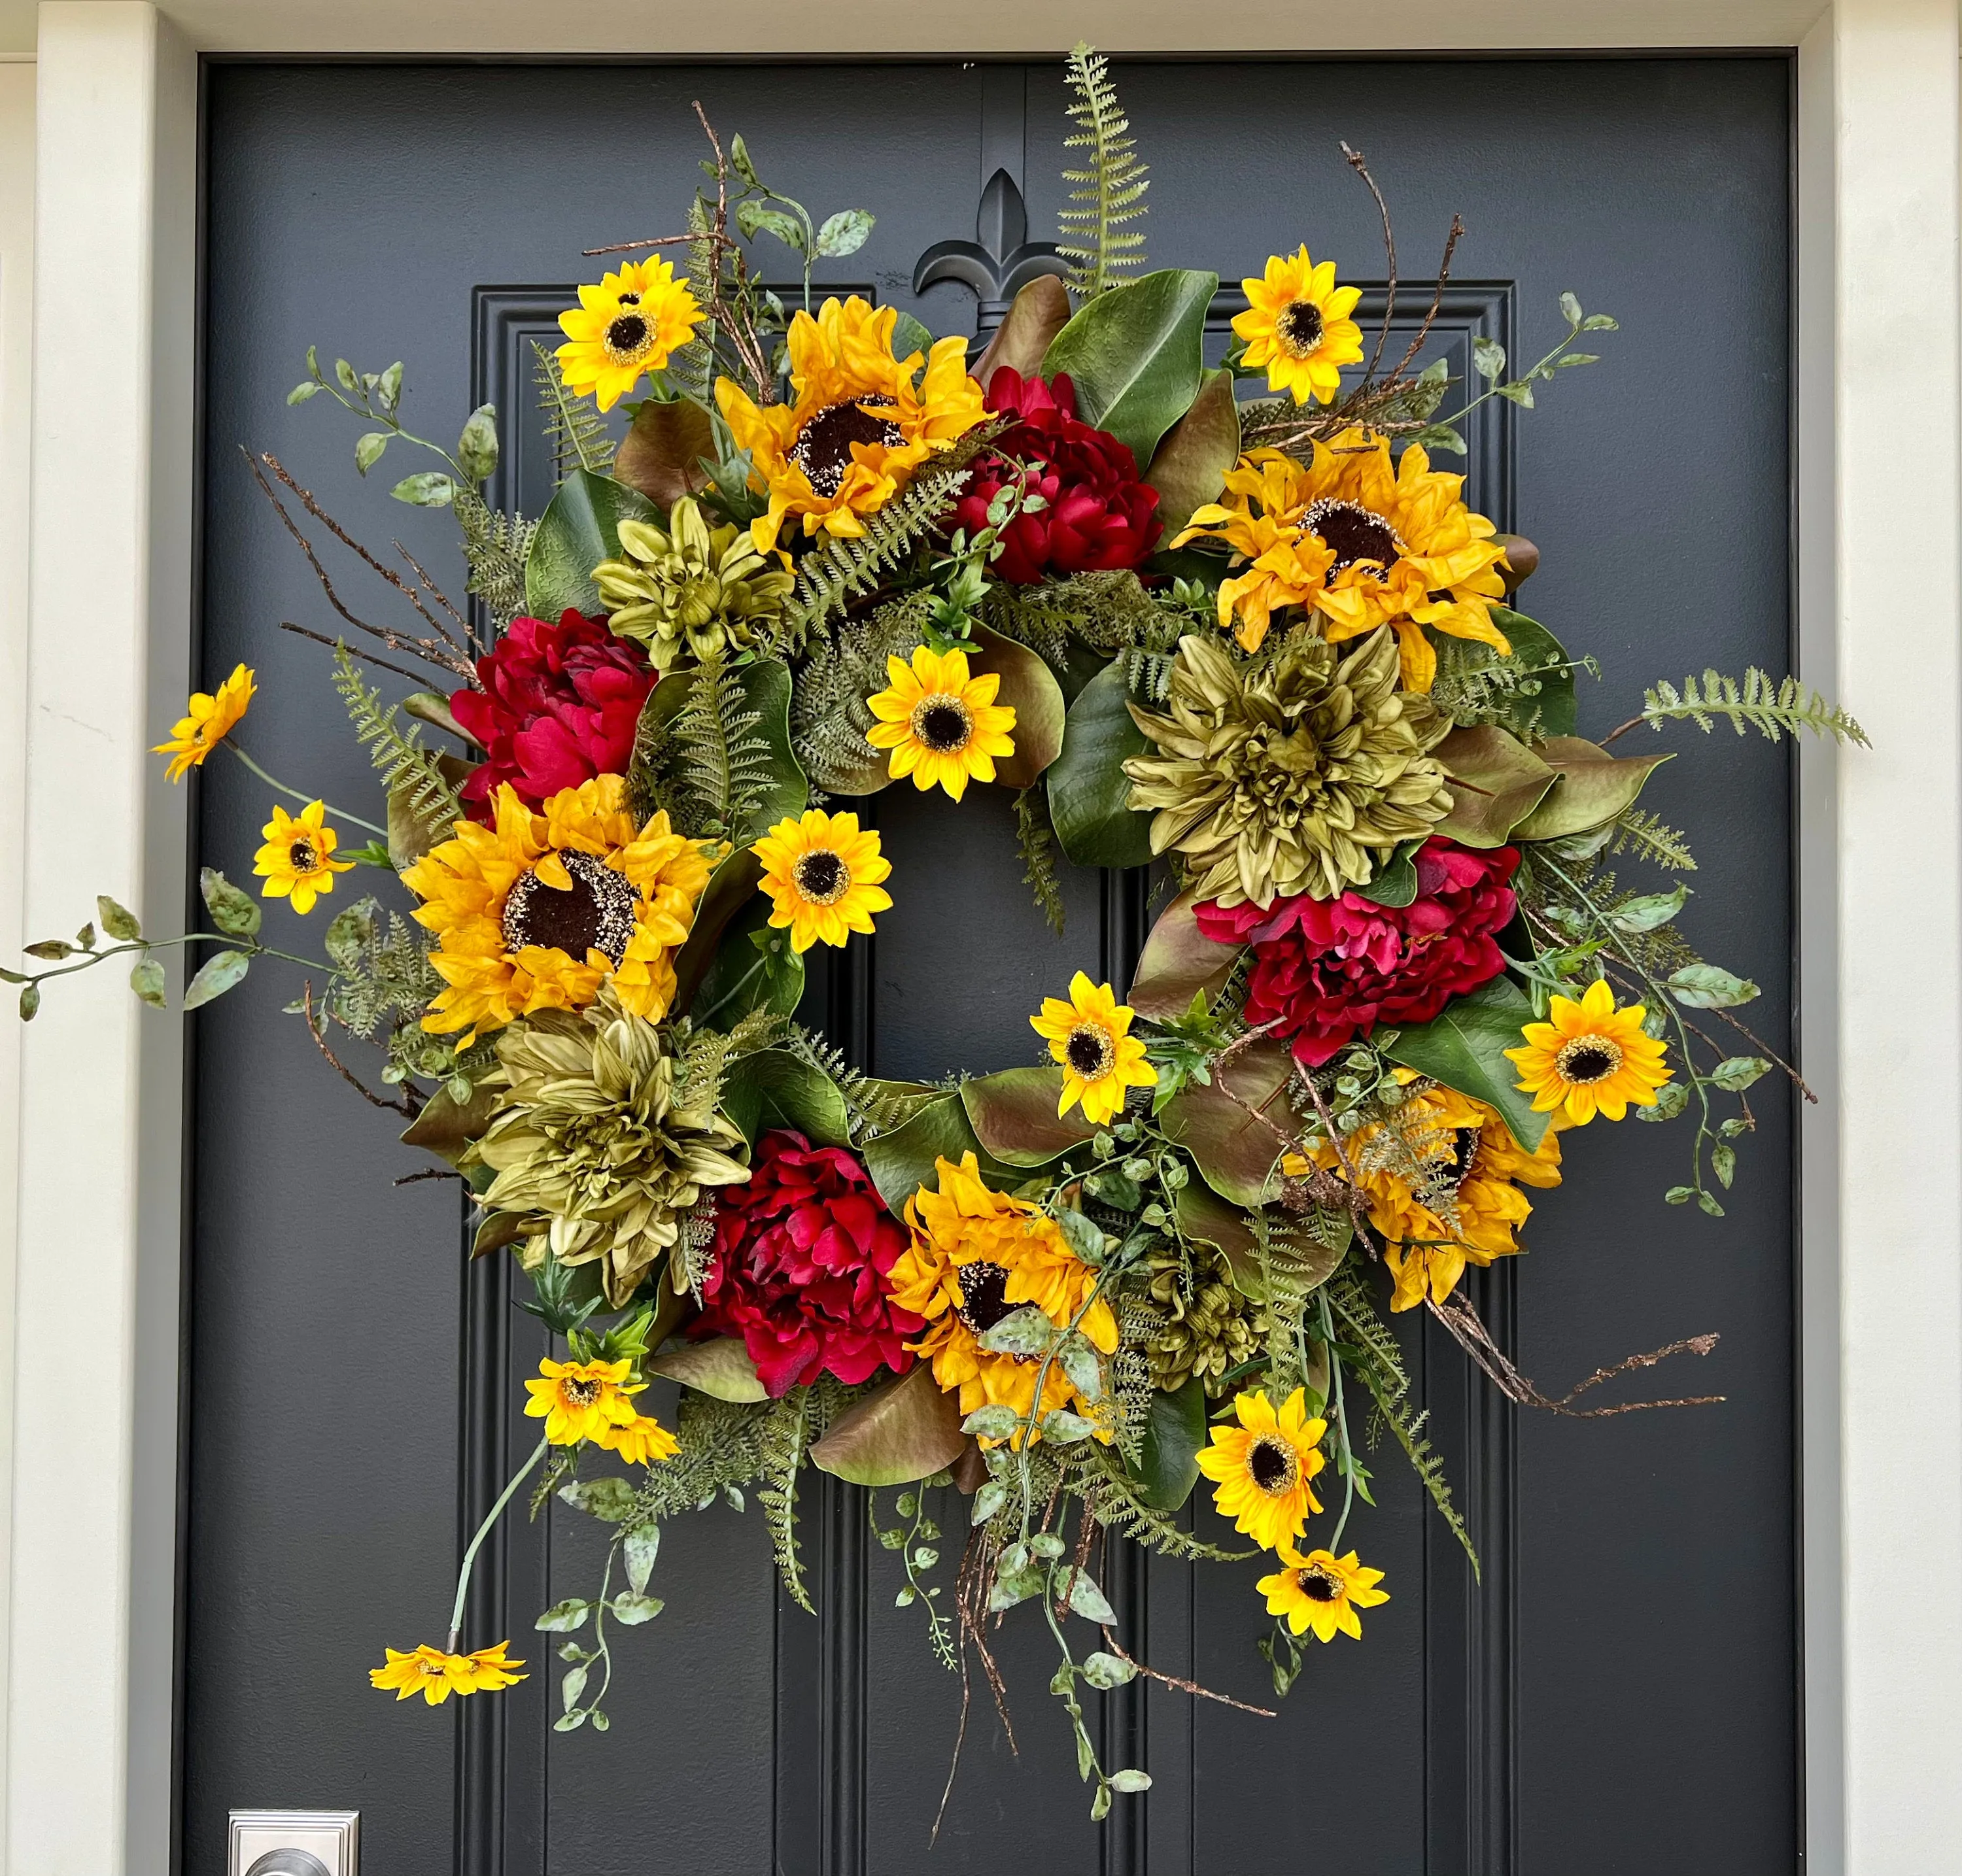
x: 1619, y: 1695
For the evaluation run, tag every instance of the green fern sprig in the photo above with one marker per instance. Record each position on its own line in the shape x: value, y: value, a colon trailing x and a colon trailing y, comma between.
x: 403, y: 763
x: 1645, y: 837
x: 1098, y: 1478
x: 872, y: 1107
x: 1109, y: 191
x: 1772, y: 709
x: 1107, y: 610
x: 496, y: 546
x: 785, y: 1435
x: 574, y: 430
x: 721, y: 766
x: 722, y: 1444
x: 1036, y: 838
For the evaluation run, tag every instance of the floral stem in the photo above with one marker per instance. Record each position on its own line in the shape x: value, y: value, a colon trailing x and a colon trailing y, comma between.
x: 736, y: 989
x: 504, y: 1498
x: 1342, y: 1426
x: 295, y: 794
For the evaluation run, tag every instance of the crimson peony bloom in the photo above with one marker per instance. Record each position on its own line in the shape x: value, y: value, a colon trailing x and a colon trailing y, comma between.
x: 559, y: 706
x: 1099, y: 514
x: 802, y: 1255
x: 1332, y: 969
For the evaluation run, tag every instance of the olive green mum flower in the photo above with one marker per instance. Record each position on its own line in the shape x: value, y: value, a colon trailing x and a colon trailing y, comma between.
x: 692, y: 589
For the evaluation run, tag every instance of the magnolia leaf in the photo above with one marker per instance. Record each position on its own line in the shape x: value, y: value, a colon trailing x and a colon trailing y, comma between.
x: 1030, y: 689
x: 432, y: 706
x: 1522, y: 562
x: 662, y: 454
x: 903, y: 1430
x: 1013, y: 1115
x: 766, y: 690
x: 1179, y: 962
x: 901, y: 1162
x: 1235, y: 1150
x: 774, y: 1088
x: 1174, y: 1431
x: 578, y: 530
x: 1500, y: 781
x: 1027, y: 1331
x: 1037, y: 314
x: 721, y: 1368
x: 1089, y: 793
x: 1135, y: 355
x: 217, y: 976
x: 1394, y: 883
x: 1546, y: 711
x: 732, y: 888
x: 445, y: 1128
x: 1464, y: 1049
x: 236, y: 913
x: 1189, y: 468
x: 412, y: 828
x: 1594, y: 788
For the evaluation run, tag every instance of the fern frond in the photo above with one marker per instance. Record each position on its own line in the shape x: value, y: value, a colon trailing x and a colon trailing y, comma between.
x: 1096, y: 1477
x: 829, y: 715
x: 574, y: 427
x: 1772, y: 709
x: 1107, y: 610
x: 495, y: 545
x: 403, y: 763
x: 1645, y: 837
x: 872, y: 1106
x: 692, y: 368
x: 784, y: 1438
x: 1109, y: 191
x: 1036, y: 838
x: 722, y: 1445
x: 720, y: 765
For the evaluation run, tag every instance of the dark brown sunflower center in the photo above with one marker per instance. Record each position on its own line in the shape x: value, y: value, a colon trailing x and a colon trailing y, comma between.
x: 943, y: 724
x: 1273, y: 1465
x: 629, y: 299
x: 823, y: 448
x: 1299, y: 326
x: 580, y: 1390
x: 596, y: 915
x: 1317, y: 1583
x: 1354, y: 532
x: 626, y: 335
x: 821, y: 876
x: 1588, y: 1059
x: 302, y: 856
x: 1090, y: 1050
x: 984, y: 1297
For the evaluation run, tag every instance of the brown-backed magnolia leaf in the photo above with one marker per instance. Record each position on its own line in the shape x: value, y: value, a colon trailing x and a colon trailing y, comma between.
x: 1179, y: 961
x: 414, y: 830
x: 1029, y: 687
x: 1522, y: 561
x: 1039, y: 312
x: 432, y: 706
x: 1189, y: 468
x: 1014, y: 1116
x: 721, y: 1368
x: 499, y: 1229
x: 905, y: 1431
x: 733, y: 885
x: 901, y: 1161
x: 445, y: 1128
x: 1237, y: 1151
x: 1500, y: 782
x: 1205, y: 1216
x: 1593, y: 787
x: 662, y: 455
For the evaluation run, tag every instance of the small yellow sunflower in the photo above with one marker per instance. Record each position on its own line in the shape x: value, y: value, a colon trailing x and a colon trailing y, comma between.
x: 822, y: 875
x: 1590, y: 1057
x: 1321, y: 1591
x: 1477, y: 1169
x: 435, y: 1676
x: 1360, y: 544
x: 297, y: 862
x: 537, y: 911
x: 583, y: 1400
x: 207, y: 719
x: 629, y: 323
x: 1090, y: 1036
x: 1260, y: 1468
x: 859, y: 426
x: 640, y: 1442
x: 941, y: 725
x: 1297, y: 324
x: 976, y: 1255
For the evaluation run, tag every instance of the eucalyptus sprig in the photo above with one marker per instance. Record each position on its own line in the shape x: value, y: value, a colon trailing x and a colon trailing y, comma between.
x: 376, y: 397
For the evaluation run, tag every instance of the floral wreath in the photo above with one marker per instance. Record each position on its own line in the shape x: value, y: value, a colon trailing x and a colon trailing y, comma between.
x: 1262, y: 643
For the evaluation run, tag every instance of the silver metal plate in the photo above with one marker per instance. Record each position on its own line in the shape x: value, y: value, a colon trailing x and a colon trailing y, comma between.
x: 294, y: 1843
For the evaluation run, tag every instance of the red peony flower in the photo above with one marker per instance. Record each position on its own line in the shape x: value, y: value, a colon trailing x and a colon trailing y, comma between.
x: 559, y: 706
x: 1098, y: 515
x: 1332, y: 969
x: 802, y: 1253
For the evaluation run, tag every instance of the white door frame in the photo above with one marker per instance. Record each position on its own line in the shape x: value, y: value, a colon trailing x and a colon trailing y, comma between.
x: 96, y: 476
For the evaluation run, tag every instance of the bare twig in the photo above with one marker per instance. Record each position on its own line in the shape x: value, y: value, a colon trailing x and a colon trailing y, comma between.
x: 352, y: 651
x: 1113, y: 1646
x: 430, y: 1172
x: 334, y: 1062
x: 1355, y: 159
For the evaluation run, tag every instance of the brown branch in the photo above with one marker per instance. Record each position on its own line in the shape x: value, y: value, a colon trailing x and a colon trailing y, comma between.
x: 1362, y: 169
x: 429, y: 586
x: 334, y: 1062
x: 1359, y: 1216
x: 352, y: 651
x: 1621, y: 729
x: 1112, y: 1646
x: 430, y: 1172
x: 1451, y: 241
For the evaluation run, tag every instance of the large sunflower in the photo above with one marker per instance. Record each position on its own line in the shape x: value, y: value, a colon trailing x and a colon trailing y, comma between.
x: 941, y: 725
x: 1260, y: 1468
x: 538, y: 911
x: 1090, y: 1036
x: 1297, y: 324
x: 822, y: 875
x: 1590, y: 1057
x: 1321, y: 1591
x: 628, y: 324
x: 860, y: 426
x: 1361, y: 543
x: 977, y: 1254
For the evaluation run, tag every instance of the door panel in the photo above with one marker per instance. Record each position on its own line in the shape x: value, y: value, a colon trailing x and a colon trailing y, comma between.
x: 1618, y: 1696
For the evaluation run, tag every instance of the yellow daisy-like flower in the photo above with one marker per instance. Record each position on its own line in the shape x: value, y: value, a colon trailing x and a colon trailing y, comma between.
x: 1359, y: 543
x: 976, y: 1255
x: 537, y: 911
x: 1090, y: 1035
x: 859, y: 426
x: 1476, y: 1160
x: 208, y: 718
x: 1260, y: 1468
x: 1297, y: 324
x: 822, y: 875
x: 1590, y: 1057
x: 435, y: 1676
x: 640, y: 1442
x: 297, y: 862
x: 629, y: 323
x: 941, y: 725
x: 583, y: 1400
x: 1321, y: 1591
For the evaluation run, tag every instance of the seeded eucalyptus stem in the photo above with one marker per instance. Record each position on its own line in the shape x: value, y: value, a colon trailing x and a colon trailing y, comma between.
x: 295, y: 794
x: 504, y: 1498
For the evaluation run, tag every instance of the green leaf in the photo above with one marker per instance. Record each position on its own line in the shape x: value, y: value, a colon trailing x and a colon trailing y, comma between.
x: 909, y: 336
x: 1175, y: 1432
x: 632, y: 1608
x: 1464, y: 1048
x: 774, y: 1088
x: 1395, y: 882
x: 1723, y: 1163
x: 1106, y: 1671
x: 1520, y: 394
x: 562, y: 1617
x: 573, y: 1686
x: 1135, y: 355
x: 1083, y: 1235
x: 1593, y: 788
x: 1203, y: 1214
x: 1086, y: 1599
x: 216, y: 976
x: 1570, y: 310
x: 753, y: 219
x: 1503, y: 782
x: 427, y: 488
x: 578, y: 530
x: 1189, y: 468
x: 905, y: 1430
x: 446, y: 1126
x: 1708, y: 1204
x: 1014, y: 1116
x: 988, y: 1501
x: 765, y: 684
x: 844, y: 233
x: 301, y: 392
x: 1235, y: 1151
x: 30, y: 1001
x: 610, y: 1500
x: 1089, y: 794
x: 477, y: 447
x: 662, y: 456
x: 1130, y: 1781
x: 368, y: 450
x: 639, y: 1549
x: 901, y: 1162
x: 1027, y: 1331
x: 50, y: 950
x: 1738, y: 1072
x: 1671, y: 1099
x: 146, y: 979
x: 1488, y: 357
x: 1080, y: 1363
x: 351, y: 932
x: 1549, y: 711
x: 1649, y: 912
x: 1708, y: 987
x: 1065, y: 1428
x: 1678, y: 1195
x: 235, y: 913
x: 120, y: 923
x: 991, y: 1422
x: 721, y: 1368
x: 1179, y: 963
x: 1029, y: 687
x: 1036, y: 315
x: 740, y: 162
